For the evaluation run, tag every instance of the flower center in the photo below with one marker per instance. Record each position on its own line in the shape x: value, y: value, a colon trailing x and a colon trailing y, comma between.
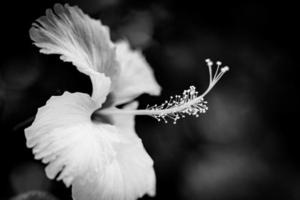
x: 97, y: 117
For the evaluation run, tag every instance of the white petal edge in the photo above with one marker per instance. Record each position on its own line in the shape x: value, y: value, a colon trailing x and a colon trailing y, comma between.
x: 136, y: 76
x: 77, y: 38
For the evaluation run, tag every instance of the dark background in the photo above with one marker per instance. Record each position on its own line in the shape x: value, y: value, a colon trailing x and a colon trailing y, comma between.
x: 245, y: 147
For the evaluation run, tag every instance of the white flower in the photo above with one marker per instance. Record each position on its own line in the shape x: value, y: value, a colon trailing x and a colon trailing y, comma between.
x: 85, y: 140
x: 99, y: 159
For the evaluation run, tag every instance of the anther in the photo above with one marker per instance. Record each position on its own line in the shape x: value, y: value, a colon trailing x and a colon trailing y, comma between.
x: 224, y: 69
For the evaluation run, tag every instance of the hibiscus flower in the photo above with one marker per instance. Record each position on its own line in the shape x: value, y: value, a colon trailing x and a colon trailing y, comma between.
x: 85, y: 140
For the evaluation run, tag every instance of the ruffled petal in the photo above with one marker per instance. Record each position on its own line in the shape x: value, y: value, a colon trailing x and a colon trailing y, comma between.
x: 136, y: 76
x: 100, y: 161
x: 63, y: 136
x: 77, y: 38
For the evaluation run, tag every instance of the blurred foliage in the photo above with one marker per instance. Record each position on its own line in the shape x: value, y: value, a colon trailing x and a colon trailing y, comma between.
x: 245, y: 147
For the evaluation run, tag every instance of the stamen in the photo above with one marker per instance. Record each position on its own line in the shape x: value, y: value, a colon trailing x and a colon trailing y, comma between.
x: 225, y: 69
x: 179, y: 106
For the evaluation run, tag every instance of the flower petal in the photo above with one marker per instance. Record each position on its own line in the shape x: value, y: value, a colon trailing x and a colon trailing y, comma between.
x: 63, y: 136
x: 127, y: 177
x: 136, y: 76
x: 98, y: 160
x: 126, y: 123
x: 136, y: 164
x: 77, y: 38
x: 101, y: 87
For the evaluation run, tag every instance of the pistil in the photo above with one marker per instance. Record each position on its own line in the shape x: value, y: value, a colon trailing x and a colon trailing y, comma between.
x: 178, y: 106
